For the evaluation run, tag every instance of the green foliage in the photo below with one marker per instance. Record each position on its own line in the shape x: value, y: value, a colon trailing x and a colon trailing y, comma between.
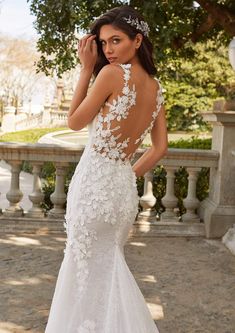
x: 173, y: 26
x: 193, y: 143
x: 48, y: 188
x: 57, y: 22
x: 192, y: 75
x: 183, y: 104
x: 192, y: 85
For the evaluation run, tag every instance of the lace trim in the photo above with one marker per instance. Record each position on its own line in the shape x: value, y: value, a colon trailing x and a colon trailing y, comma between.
x: 105, y: 140
x: 160, y: 101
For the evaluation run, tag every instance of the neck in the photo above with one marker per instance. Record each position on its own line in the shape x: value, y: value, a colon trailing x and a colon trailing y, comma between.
x: 134, y: 61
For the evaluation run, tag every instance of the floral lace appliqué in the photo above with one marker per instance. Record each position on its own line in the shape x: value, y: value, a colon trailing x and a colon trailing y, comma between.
x: 105, y: 141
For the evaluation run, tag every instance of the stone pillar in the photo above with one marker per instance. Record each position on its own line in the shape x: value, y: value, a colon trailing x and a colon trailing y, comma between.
x: 148, y: 200
x: 14, y: 195
x: 218, y: 210
x: 169, y: 200
x: 8, y: 119
x: 191, y: 202
x: 37, y: 196
x: 58, y: 197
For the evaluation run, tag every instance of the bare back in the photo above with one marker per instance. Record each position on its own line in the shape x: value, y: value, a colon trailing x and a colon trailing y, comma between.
x: 128, y: 114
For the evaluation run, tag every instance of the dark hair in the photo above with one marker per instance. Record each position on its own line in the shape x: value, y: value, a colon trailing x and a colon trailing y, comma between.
x: 115, y: 18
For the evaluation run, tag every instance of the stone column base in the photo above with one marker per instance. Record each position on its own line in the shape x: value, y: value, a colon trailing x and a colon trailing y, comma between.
x: 229, y: 239
x: 148, y: 215
x: 13, y: 211
x: 217, y: 219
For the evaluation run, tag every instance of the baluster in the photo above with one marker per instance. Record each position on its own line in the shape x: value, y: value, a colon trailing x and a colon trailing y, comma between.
x: 191, y: 202
x: 37, y: 196
x: 148, y: 200
x: 14, y: 195
x: 169, y: 200
x: 58, y: 197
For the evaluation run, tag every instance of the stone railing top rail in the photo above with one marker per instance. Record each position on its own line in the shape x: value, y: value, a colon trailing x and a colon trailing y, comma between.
x: 64, y: 154
x: 64, y: 113
x: 30, y: 118
x: 223, y: 117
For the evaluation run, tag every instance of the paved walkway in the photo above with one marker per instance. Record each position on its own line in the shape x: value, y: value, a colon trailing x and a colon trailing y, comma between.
x: 188, y: 283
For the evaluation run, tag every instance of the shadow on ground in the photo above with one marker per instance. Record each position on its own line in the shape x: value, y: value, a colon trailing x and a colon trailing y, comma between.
x: 188, y: 283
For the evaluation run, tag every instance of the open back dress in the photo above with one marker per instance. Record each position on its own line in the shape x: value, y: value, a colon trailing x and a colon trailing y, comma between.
x: 95, y: 291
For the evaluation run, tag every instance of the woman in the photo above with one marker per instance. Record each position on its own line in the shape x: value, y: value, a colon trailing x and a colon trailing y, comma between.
x: 95, y: 291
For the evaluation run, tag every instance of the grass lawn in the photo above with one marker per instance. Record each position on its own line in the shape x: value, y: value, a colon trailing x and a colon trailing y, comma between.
x: 30, y: 136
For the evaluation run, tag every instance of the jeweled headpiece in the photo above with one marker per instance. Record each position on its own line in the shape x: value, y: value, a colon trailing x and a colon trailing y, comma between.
x: 139, y: 25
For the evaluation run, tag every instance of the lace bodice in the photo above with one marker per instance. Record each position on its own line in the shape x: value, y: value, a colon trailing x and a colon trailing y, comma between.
x: 108, y: 138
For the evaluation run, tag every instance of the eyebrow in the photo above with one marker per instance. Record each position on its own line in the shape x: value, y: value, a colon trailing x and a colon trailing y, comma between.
x: 101, y: 39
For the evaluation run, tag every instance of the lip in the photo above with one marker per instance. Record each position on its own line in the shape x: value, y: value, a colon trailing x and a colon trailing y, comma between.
x: 111, y: 59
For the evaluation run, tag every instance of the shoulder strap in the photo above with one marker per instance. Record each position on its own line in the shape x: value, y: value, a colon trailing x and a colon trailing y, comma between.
x: 159, y: 102
x: 127, y: 74
x: 159, y: 99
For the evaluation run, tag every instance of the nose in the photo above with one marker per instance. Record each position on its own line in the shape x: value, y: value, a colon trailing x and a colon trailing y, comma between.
x: 108, y: 48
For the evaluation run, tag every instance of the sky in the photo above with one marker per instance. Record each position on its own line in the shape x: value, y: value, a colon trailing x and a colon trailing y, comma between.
x: 15, y: 19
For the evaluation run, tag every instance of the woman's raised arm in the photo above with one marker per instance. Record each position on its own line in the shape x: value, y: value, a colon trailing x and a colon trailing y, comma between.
x: 84, y: 107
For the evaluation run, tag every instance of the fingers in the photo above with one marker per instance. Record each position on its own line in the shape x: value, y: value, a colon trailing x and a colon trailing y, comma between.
x: 94, y: 47
x: 89, y: 43
x: 87, y: 51
x: 86, y: 42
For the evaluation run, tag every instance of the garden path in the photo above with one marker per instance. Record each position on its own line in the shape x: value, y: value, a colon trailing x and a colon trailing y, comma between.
x: 188, y: 283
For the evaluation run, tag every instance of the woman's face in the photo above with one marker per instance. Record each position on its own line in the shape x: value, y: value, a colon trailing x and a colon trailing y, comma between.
x: 117, y: 46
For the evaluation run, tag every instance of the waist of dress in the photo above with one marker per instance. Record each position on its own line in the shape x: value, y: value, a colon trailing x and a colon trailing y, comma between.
x: 100, y: 158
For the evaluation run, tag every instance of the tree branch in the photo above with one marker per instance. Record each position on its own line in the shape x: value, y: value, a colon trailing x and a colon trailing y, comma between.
x: 208, y: 24
x: 217, y: 14
x: 221, y: 15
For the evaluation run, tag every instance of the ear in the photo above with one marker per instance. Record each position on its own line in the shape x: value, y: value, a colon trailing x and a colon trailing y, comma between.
x: 138, y: 40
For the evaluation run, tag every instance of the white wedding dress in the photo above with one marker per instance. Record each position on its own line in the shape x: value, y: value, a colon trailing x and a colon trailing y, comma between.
x: 95, y: 290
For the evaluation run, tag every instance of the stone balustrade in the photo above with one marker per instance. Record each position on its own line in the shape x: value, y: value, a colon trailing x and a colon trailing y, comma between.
x: 34, y: 121
x: 38, y: 154
x: 59, y: 117
x: 193, y: 161
x: 217, y: 211
x: 49, y: 117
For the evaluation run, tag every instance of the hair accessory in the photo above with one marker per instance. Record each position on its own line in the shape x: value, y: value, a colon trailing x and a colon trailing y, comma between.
x: 139, y: 25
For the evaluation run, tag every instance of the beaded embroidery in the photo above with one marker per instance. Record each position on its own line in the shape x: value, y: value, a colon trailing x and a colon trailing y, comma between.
x: 139, y: 25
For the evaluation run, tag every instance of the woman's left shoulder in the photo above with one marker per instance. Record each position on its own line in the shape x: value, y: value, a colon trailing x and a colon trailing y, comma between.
x: 110, y: 69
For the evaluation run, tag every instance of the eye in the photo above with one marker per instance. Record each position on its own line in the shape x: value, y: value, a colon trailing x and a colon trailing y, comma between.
x: 102, y: 42
x: 116, y: 40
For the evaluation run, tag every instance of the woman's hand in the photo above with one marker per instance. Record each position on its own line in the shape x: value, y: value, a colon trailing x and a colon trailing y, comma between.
x: 87, y: 52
